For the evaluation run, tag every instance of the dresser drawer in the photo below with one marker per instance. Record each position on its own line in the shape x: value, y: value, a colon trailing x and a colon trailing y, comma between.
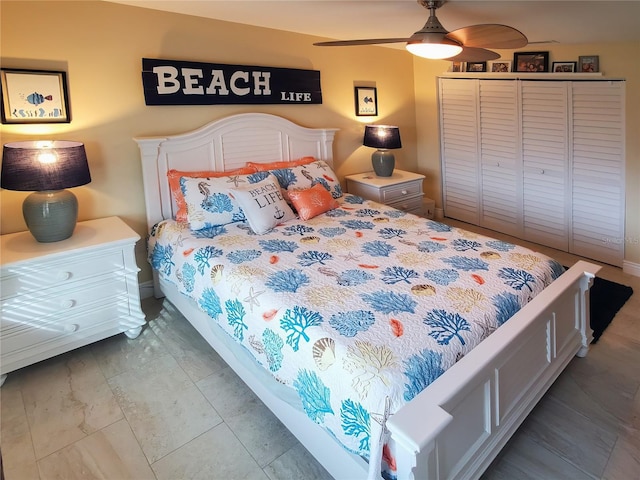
x: 396, y: 193
x: 51, y: 308
x: 24, y: 278
x: 411, y: 205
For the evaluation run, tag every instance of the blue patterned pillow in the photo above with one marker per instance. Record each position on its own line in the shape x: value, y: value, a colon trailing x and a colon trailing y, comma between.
x: 306, y: 176
x: 209, y: 203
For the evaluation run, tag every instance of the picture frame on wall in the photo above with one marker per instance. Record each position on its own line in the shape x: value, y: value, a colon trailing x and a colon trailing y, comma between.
x: 564, y: 67
x: 589, y: 64
x: 366, y: 101
x: 499, y: 66
x: 34, y: 96
x: 476, y: 66
x: 531, y: 62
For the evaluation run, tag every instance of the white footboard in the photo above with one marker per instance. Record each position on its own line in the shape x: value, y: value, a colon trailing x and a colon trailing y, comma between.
x: 457, y: 426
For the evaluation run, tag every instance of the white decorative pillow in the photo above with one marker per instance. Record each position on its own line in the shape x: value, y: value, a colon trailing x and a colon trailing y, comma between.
x: 306, y: 176
x: 263, y: 204
x: 208, y: 201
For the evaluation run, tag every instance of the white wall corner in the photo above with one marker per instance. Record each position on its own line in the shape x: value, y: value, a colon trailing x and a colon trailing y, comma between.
x: 631, y: 268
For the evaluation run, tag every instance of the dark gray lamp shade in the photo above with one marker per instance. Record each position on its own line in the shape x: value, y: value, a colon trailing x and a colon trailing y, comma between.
x: 24, y: 170
x: 46, y: 168
x: 384, y: 138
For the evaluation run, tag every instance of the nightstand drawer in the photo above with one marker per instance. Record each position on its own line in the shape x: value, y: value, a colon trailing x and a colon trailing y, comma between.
x: 411, y: 205
x: 25, y: 278
x: 396, y: 193
x: 42, y: 309
x: 23, y: 343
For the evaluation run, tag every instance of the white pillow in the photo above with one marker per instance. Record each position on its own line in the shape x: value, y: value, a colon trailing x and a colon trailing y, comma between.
x: 208, y: 201
x: 263, y: 204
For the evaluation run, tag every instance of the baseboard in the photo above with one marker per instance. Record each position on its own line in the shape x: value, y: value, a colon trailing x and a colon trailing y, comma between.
x: 631, y: 268
x: 146, y: 289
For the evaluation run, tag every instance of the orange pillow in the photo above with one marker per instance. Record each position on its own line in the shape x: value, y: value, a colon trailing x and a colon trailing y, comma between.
x: 313, y: 201
x: 176, y: 192
x: 261, y: 167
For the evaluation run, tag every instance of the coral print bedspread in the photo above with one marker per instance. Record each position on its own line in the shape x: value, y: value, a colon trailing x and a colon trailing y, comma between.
x: 355, y: 306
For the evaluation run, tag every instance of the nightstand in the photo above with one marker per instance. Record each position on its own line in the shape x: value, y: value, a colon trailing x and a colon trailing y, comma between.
x: 402, y: 190
x: 63, y: 295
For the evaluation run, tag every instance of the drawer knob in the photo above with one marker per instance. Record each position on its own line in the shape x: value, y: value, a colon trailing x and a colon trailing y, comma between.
x: 72, y: 327
x: 64, y: 275
x: 67, y: 303
x: 404, y: 192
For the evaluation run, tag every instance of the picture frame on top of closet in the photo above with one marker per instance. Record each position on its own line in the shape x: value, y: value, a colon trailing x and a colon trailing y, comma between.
x: 531, y: 62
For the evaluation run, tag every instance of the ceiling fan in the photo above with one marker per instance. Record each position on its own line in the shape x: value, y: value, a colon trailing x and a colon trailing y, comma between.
x: 467, y: 44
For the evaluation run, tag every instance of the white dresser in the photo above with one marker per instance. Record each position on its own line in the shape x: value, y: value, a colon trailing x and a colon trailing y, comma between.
x: 60, y: 296
x: 402, y: 190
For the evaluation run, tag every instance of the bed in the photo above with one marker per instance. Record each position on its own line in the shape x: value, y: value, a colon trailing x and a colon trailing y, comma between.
x: 449, y: 425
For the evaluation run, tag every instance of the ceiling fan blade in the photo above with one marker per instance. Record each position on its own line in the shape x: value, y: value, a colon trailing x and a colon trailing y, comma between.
x: 489, y: 35
x: 368, y: 41
x: 471, y: 54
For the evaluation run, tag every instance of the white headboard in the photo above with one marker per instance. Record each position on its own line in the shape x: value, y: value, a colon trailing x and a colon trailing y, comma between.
x: 224, y: 145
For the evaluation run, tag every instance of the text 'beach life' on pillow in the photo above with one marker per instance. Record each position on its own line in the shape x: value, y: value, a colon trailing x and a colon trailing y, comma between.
x: 263, y: 204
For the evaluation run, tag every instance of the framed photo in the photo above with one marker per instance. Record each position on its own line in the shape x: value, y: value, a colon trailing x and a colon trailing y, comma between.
x: 589, y: 64
x: 476, y: 66
x: 366, y: 101
x: 499, y: 66
x: 34, y: 96
x: 563, y: 67
x: 531, y: 62
x: 457, y: 66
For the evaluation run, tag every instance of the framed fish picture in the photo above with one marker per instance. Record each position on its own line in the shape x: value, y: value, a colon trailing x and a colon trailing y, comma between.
x: 366, y: 101
x: 34, y: 96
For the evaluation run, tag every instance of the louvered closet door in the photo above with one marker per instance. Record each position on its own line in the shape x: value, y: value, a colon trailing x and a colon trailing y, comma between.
x: 545, y: 152
x: 598, y: 171
x: 459, y: 148
x: 500, y: 156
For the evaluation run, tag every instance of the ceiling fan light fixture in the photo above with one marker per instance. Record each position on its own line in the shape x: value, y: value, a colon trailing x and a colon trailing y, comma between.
x: 434, y: 51
x: 431, y: 44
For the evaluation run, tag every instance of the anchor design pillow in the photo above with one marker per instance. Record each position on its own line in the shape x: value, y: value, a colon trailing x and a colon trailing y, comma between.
x: 263, y: 204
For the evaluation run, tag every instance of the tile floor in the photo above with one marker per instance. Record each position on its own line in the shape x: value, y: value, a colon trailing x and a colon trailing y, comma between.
x: 165, y: 406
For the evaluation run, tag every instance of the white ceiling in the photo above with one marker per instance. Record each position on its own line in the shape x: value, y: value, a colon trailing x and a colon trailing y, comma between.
x: 566, y: 22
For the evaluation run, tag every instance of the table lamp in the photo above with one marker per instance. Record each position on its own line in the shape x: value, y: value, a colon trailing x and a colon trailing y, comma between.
x: 384, y: 138
x: 46, y: 168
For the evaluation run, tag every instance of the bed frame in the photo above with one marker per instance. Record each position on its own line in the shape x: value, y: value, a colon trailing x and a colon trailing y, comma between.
x: 455, y: 427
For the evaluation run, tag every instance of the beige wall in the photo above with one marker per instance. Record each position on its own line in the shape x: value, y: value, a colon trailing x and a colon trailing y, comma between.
x: 100, y: 45
x: 614, y: 62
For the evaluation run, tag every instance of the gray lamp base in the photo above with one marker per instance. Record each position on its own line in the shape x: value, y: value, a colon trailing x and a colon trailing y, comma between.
x: 51, y: 215
x: 383, y: 162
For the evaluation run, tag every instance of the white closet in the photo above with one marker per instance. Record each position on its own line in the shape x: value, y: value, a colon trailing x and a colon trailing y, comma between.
x: 541, y: 160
